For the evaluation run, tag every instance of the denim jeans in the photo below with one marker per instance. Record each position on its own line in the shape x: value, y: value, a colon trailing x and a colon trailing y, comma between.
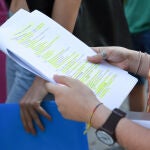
x: 19, y: 81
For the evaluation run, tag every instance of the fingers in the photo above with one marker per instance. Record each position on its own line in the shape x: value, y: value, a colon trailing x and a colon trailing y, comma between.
x: 35, y: 117
x: 63, y: 82
x: 29, y: 113
x: 95, y: 59
x: 27, y: 120
x: 52, y: 88
x: 102, y: 54
x: 43, y: 112
x: 98, y: 49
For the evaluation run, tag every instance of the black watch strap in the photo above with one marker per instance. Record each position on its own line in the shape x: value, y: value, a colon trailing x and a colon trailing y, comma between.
x: 111, y: 123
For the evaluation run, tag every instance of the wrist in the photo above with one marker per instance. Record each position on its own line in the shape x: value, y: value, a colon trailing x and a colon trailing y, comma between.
x: 139, y: 63
x: 39, y: 86
x: 100, y: 116
x: 107, y: 132
x: 133, y: 59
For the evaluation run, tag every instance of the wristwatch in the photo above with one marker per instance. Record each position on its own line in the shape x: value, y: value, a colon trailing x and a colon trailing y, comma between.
x: 106, y: 133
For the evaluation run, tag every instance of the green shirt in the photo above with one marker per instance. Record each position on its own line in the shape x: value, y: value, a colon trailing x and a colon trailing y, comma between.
x: 137, y: 13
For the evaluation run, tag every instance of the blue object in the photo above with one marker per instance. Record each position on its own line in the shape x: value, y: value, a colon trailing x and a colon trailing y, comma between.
x: 59, y: 134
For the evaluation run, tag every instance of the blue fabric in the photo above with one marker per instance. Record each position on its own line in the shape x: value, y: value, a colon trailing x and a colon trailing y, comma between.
x: 19, y: 81
x: 141, y: 43
x: 59, y: 134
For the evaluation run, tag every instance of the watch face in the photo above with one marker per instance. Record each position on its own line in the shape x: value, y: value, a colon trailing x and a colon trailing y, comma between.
x: 104, y: 137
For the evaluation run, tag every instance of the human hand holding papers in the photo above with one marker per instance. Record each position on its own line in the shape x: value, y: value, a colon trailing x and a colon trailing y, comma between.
x: 45, y: 48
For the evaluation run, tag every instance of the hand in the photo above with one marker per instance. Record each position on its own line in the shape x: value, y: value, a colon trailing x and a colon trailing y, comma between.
x: 75, y: 100
x: 117, y: 56
x: 30, y: 105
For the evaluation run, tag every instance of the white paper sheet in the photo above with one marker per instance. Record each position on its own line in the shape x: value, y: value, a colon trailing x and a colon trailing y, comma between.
x: 144, y: 123
x: 45, y: 48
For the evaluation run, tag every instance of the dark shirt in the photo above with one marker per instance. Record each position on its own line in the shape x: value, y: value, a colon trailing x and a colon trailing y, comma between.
x: 103, y: 23
x: 99, y: 23
x: 44, y: 6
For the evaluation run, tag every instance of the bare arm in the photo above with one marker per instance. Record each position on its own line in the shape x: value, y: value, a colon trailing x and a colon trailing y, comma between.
x: 139, y: 63
x: 129, y: 135
x: 65, y: 12
x: 130, y: 60
x: 17, y: 4
x: 79, y: 107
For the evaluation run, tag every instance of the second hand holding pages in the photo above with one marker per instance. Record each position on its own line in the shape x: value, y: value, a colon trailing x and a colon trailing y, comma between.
x: 45, y: 48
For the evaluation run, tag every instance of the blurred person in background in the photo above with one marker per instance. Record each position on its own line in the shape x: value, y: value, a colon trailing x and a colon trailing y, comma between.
x: 22, y: 86
x: 137, y: 13
x: 3, y: 17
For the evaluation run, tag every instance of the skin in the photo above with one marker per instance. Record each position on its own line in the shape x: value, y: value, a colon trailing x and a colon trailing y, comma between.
x: 80, y: 106
x: 30, y: 103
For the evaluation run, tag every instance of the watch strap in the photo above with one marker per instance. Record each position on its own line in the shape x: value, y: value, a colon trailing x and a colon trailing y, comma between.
x: 111, y: 123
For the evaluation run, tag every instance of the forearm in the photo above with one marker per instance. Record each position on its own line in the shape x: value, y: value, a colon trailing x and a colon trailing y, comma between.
x: 132, y: 136
x: 17, y: 4
x: 139, y: 63
x: 65, y: 12
x: 39, y: 84
x: 129, y: 135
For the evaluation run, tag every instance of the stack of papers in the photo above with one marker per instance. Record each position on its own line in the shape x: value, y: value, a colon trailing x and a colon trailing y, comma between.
x: 45, y: 48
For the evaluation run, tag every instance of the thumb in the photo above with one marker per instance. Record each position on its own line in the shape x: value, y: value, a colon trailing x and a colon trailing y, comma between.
x: 63, y: 80
x: 51, y: 88
x: 95, y: 59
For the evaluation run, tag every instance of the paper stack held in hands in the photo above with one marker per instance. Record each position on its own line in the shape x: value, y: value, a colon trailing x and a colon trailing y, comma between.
x: 43, y: 47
